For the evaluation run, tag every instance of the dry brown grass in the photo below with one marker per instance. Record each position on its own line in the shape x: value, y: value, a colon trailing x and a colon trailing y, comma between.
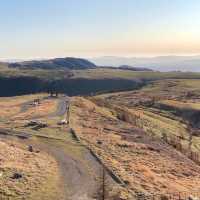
x: 39, y: 173
x: 17, y: 100
x: 10, y: 106
x: 7, y: 111
x: 181, y: 105
x: 45, y: 108
x: 146, y: 165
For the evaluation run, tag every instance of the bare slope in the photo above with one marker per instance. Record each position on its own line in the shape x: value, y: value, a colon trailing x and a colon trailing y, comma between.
x: 146, y: 165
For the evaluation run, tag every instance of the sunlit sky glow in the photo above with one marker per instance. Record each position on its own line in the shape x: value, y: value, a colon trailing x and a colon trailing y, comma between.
x: 88, y: 28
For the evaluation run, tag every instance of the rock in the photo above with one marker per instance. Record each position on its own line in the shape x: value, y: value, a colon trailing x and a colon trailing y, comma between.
x: 30, y: 148
x: 36, y: 124
x: 16, y: 176
x: 99, y: 142
x: 32, y: 123
x: 164, y: 197
x: 62, y: 122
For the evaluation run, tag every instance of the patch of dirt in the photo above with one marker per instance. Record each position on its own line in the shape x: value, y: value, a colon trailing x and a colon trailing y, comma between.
x: 80, y: 172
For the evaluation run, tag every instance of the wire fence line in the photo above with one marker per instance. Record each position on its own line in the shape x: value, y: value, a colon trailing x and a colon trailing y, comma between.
x: 175, y: 141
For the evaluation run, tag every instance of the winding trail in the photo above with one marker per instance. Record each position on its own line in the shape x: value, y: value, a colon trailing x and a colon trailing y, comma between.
x: 80, y: 171
x: 63, y: 102
x: 79, y: 175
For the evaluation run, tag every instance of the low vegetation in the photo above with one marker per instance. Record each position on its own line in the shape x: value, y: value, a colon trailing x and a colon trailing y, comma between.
x: 148, y: 138
x: 24, y: 173
x: 75, y: 77
x: 147, y: 165
x: 143, y: 141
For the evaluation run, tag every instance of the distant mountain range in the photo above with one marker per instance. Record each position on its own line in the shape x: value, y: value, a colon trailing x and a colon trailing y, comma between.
x: 66, y: 63
x: 160, y: 63
x: 127, y: 67
x: 57, y: 63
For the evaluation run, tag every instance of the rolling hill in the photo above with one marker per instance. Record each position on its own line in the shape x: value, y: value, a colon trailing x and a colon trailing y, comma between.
x: 57, y: 63
x: 76, y: 76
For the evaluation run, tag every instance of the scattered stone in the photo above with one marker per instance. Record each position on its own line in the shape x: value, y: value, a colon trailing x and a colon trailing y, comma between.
x: 62, y: 122
x: 164, y: 197
x: 30, y: 148
x: 32, y: 123
x: 16, y: 176
x: 99, y: 142
x: 126, y: 182
x: 37, y: 124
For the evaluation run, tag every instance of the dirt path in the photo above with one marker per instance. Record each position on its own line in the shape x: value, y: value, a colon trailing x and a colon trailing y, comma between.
x: 61, y: 107
x: 79, y: 173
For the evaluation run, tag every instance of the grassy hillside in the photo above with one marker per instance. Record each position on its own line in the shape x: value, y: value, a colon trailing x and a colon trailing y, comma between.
x: 135, y: 149
x: 149, y: 147
x: 125, y: 74
x: 97, y: 73
x: 18, y: 81
x: 164, y: 109
x: 56, y: 63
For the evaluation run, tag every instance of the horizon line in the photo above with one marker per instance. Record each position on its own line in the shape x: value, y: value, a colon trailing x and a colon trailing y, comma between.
x: 100, y: 56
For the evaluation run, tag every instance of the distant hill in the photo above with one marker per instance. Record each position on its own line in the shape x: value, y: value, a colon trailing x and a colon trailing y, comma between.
x: 128, y: 67
x: 160, y: 63
x: 57, y: 63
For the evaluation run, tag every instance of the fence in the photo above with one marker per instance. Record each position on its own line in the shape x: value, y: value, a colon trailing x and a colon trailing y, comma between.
x: 175, y: 141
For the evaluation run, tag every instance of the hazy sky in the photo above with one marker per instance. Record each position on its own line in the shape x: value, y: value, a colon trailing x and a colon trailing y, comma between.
x: 53, y: 28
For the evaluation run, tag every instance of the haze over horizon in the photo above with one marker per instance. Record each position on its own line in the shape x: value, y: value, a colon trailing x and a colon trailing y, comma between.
x: 92, y: 28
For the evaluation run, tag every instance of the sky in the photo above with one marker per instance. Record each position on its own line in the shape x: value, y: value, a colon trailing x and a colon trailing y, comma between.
x: 91, y: 28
